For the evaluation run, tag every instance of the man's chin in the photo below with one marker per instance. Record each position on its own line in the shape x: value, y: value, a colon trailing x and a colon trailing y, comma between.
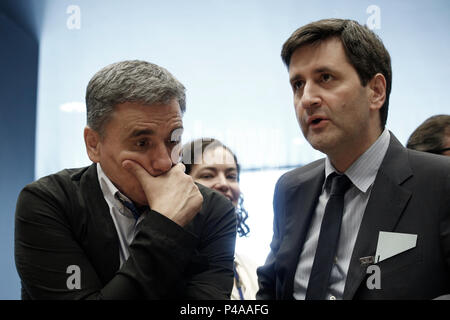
x: 319, y: 145
x: 141, y: 201
x: 315, y: 142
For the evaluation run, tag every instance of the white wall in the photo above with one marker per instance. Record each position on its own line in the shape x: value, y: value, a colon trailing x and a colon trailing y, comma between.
x: 227, y: 54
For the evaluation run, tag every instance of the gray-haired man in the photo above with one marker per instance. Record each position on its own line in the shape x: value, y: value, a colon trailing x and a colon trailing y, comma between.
x: 131, y: 225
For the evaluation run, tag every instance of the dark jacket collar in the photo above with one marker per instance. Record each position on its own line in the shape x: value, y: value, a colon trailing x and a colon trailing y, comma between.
x: 384, y: 209
x: 99, y: 239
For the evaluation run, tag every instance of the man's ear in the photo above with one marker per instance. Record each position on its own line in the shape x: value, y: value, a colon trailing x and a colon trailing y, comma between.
x: 377, y: 86
x: 92, y: 141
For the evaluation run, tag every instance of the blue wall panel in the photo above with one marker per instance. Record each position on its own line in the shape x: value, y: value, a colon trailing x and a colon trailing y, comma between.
x: 18, y: 86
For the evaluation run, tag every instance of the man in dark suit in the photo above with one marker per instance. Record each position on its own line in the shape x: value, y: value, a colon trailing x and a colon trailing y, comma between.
x: 132, y: 225
x: 384, y: 232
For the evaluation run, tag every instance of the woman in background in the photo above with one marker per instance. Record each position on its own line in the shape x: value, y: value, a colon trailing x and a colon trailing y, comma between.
x: 212, y: 164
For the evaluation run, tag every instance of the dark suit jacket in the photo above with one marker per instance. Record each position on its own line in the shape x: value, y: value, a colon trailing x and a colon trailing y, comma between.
x: 411, y: 194
x: 63, y: 220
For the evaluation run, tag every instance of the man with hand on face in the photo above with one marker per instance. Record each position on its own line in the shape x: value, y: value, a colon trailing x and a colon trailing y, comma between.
x: 371, y: 202
x: 132, y: 225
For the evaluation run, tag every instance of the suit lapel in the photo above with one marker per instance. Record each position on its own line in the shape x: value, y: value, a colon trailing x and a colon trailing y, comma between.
x: 387, y: 202
x: 300, y: 202
x: 101, y: 241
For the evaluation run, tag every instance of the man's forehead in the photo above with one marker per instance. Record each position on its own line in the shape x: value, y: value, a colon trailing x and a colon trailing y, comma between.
x: 136, y: 130
x: 130, y: 112
x: 331, y: 46
x: 137, y: 119
x: 318, y: 57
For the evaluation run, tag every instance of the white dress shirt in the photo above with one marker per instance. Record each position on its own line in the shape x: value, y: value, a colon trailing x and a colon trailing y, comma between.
x: 362, y: 174
x: 123, y: 218
x: 248, y: 280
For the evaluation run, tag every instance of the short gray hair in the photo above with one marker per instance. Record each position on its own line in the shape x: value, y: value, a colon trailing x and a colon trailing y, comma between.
x: 129, y: 81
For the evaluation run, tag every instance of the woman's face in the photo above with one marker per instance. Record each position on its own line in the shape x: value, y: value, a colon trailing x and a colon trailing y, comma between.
x: 218, y: 171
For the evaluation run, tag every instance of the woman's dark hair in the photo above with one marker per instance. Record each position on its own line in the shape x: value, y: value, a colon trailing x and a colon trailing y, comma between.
x: 192, y: 153
x: 430, y: 135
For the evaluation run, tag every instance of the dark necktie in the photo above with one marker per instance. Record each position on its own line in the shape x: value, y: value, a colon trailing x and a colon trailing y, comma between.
x: 130, y: 205
x: 328, y: 239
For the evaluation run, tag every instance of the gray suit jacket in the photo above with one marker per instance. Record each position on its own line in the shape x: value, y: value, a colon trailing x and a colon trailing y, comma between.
x: 411, y: 194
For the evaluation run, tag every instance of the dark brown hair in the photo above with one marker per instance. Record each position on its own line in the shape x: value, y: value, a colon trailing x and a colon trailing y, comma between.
x: 429, y: 136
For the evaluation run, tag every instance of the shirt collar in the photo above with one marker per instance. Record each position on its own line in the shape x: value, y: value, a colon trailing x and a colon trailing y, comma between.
x: 363, y: 171
x: 111, y: 193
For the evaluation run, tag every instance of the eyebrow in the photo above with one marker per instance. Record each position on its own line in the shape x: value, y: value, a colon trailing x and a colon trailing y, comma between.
x: 215, y: 169
x: 142, y: 132
x: 315, y: 71
x: 149, y: 132
x: 323, y: 69
x: 294, y: 78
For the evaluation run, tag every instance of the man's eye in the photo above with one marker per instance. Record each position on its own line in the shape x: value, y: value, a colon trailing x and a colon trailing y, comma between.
x: 142, y: 143
x: 297, y: 85
x: 174, y: 142
x: 232, y: 177
x: 326, y: 77
x: 206, y: 176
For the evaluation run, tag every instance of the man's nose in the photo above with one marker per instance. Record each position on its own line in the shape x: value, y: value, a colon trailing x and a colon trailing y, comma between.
x: 161, y: 160
x: 310, y: 97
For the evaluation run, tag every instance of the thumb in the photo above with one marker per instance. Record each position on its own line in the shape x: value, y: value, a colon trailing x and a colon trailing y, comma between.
x: 179, y: 166
x: 137, y: 171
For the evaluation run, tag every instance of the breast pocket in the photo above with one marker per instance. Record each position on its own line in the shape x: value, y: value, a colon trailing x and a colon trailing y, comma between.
x: 401, y: 262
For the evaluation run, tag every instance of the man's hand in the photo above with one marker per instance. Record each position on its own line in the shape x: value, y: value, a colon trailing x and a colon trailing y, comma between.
x: 173, y: 194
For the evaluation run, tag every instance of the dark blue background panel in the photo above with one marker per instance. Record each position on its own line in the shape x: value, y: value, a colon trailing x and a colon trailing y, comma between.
x: 18, y: 87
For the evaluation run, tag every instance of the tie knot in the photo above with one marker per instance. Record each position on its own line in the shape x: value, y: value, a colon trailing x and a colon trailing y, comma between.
x: 340, y: 183
x: 136, y: 211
